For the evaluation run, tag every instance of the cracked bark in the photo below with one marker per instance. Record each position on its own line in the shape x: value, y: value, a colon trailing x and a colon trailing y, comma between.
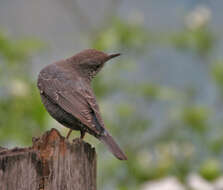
x: 52, y: 163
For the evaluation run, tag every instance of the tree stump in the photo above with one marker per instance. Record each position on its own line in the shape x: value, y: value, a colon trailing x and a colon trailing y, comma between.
x: 52, y: 163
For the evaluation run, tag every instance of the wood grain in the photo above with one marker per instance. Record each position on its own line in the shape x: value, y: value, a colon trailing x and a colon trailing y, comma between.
x: 52, y: 163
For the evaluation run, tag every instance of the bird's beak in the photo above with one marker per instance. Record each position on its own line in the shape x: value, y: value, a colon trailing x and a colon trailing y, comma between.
x: 114, y: 55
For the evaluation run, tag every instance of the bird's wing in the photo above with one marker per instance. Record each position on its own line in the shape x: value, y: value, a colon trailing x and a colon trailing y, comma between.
x: 73, y: 97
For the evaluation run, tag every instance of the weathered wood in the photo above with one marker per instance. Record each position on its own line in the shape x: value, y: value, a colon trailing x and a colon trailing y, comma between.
x: 52, y: 163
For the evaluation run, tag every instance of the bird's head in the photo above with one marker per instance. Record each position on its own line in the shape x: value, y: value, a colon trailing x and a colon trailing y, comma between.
x: 91, y: 61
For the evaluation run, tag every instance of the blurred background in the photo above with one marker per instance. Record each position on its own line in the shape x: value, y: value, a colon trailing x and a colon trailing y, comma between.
x: 162, y: 100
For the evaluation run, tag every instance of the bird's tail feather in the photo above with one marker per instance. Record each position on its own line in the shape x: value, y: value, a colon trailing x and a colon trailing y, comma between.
x: 107, y: 139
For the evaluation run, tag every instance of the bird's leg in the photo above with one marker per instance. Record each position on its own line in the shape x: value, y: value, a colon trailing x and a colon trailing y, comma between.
x: 82, y: 134
x: 68, y: 134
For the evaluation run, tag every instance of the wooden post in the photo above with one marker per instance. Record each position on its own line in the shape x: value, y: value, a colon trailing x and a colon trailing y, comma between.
x: 52, y: 163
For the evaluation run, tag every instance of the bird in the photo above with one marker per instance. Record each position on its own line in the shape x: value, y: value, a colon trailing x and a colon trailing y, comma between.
x: 66, y: 92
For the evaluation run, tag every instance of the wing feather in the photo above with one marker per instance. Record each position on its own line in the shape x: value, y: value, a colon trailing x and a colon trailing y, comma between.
x: 73, y: 97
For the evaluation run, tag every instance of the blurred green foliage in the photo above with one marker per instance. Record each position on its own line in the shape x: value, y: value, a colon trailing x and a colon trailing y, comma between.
x: 191, y: 139
x: 178, y: 148
x: 210, y: 169
x: 195, y: 117
x: 199, y: 40
x: 217, y: 73
x: 121, y: 35
x: 21, y: 113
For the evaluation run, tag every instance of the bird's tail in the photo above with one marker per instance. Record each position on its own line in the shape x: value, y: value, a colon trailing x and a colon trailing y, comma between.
x: 107, y: 139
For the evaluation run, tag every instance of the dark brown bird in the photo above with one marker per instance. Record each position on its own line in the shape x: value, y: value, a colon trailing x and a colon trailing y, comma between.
x: 68, y: 97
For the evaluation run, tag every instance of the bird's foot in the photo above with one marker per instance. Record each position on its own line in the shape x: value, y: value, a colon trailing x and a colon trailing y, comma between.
x: 68, y: 134
x: 82, y: 134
